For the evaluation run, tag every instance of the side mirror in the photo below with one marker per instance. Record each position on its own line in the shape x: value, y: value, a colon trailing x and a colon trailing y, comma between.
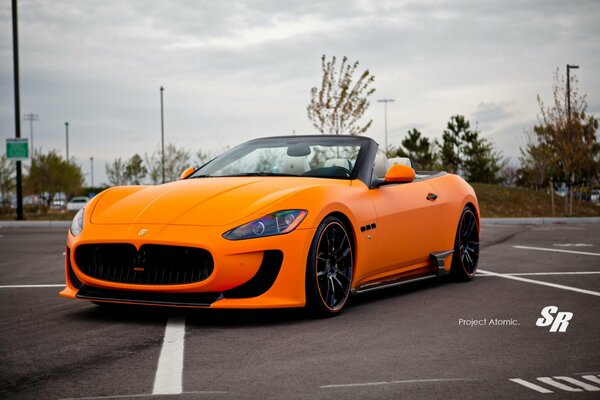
x: 185, y: 174
x: 399, y: 173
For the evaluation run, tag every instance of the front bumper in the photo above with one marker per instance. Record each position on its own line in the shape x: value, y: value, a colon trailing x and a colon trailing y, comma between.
x: 242, y: 269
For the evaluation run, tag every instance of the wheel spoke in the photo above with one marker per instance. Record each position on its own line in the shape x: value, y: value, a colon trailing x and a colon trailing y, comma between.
x: 344, y: 255
x: 335, y: 279
x: 346, y: 277
x: 335, y: 253
x: 331, y: 298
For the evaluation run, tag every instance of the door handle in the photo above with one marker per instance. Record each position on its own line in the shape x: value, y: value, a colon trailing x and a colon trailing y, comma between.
x: 432, y: 196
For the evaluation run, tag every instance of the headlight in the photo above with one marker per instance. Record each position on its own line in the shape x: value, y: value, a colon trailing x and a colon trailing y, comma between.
x: 77, y: 224
x: 278, y: 223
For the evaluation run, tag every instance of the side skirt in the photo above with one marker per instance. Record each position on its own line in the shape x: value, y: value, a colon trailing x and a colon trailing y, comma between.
x: 438, y: 260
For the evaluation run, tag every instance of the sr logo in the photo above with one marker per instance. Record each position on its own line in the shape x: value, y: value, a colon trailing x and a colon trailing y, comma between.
x: 561, y: 321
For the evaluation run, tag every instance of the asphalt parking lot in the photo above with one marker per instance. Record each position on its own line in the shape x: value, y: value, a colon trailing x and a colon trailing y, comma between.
x: 428, y: 340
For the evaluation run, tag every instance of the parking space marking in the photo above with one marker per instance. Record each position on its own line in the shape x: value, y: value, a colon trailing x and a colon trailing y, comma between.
x: 343, y: 385
x: 31, y: 286
x: 573, y: 245
x: 592, y: 378
x: 585, y: 253
x: 128, y: 396
x: 553, y: 382
x: 554, y: 285
x: 531, y: 385
x: 561, y: 386
x: 584, y: 385
x: 547, y: 273
x: 169, y: 373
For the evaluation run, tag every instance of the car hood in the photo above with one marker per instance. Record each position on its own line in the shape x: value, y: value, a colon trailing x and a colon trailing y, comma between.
x: 202, y: 201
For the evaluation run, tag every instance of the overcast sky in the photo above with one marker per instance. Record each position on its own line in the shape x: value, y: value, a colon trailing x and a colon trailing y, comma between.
x: 235, y: 70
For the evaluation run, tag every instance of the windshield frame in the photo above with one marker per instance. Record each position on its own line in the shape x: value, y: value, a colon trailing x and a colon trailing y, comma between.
x: 361, y: 170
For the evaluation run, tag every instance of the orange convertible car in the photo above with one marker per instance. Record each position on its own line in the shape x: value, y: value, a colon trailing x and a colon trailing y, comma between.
x: 276, y: 222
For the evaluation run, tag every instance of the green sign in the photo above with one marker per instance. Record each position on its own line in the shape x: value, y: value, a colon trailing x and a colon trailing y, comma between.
x: 17, y: 149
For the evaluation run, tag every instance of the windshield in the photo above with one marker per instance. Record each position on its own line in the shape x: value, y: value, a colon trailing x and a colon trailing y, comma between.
x: 318, y: 156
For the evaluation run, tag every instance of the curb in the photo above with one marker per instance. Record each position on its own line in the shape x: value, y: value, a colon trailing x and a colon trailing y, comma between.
x: 484, y: 222
x: 35, y: 224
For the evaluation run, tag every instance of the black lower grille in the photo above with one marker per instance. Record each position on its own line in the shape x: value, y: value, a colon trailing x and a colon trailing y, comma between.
x: 170, y: 299
x: 150, y: 265
x: 72, y: 277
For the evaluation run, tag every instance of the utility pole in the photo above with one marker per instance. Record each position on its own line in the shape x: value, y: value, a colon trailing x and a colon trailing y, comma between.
x: 570, y: 67
x: 92, y: 170
x: 31, y: 118
x: 162, y: 133
x: 15, y: 34
x: 385, y: 103
x: 67, y: 135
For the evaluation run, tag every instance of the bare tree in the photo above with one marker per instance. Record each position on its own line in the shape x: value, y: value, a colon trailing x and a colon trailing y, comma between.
x: 565, y: 143
x: 115, y: 172
x: 339, y: 104
x: 176, y: 160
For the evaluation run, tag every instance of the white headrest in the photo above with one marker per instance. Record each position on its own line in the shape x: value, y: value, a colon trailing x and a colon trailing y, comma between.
x: 338, y: 162
x: 381, y: 165
x: 401, y: 161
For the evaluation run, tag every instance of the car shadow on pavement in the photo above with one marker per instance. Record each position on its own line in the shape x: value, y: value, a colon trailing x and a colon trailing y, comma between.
x: 220, y: 318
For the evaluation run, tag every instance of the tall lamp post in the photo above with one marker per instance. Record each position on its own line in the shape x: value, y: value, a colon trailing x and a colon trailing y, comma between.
x: 162, y: 133
x: 67, y: 136
x: 569, y: 68
x: 31, y: 118
x: 385, y: 103
x: 15, y: 35
x: 92, y: 170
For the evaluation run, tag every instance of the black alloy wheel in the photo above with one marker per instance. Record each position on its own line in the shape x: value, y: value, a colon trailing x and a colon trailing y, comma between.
x: 466, y: 246
x: 330, y: 267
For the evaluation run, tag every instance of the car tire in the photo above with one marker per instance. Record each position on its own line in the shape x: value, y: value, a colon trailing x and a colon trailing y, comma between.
x: 466, y: 247
x: 329, y: 268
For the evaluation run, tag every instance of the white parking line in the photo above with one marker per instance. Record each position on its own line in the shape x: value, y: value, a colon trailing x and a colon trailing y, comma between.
x: 343, y: 385
x: 585, y: 253
x: 558, y: 385
x: 554, y: 285
x: 573, y: 245
x: 168, y: 379
x: 584, y: 385
x: 128, y: 396
x: 592, y: 378
x: 31, y: 286
x: 546, y: 273
x: 531, y: 385
x: 578, y: 386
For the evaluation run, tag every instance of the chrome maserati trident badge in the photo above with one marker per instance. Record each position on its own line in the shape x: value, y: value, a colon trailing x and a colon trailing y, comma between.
x: 142, y: 232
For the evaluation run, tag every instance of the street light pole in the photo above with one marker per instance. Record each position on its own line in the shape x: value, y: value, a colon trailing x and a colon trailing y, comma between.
x: 67, y: 135
x: 31, y: 118
x: 385, y: 103
x: 569, y: 68
x: 15, y: 34
x: 162, y: 133
x: 92, y: 169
